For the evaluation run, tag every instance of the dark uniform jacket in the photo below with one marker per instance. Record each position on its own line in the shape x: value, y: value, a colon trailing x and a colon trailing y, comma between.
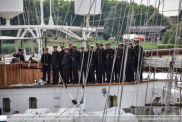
x: 137, y: 50
x: 20, y: 56
x: 55, y: 58
x: 82, y: 55
x: 66, y: 60
x: 125, y: 47
x: 100, y: 56
x: 97, y: 49
x: 109, y: 55
x: 120, y: 56
x: 61, y: 56
x: 46, y: 59
x: 70, y: 50
x: 92, y: 58
x: 75, y: 57
x: 131, y: 56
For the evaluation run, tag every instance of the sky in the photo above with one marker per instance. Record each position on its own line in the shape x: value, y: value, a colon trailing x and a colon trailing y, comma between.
x: 168, y: 6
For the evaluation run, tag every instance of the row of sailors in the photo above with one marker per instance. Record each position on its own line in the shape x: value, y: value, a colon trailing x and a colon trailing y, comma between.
x: 69, y: 61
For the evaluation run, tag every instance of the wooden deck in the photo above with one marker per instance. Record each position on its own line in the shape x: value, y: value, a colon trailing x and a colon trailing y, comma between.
x: 14, y: 74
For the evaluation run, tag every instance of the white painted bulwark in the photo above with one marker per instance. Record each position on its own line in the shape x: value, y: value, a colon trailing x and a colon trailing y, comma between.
x: 10, y: 8
x: 55, y: 98
x: 82, y: 7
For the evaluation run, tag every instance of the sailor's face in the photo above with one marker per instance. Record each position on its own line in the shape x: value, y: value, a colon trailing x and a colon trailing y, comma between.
x: 100, y: 47
x: 108, y: 46
x: 22, y: 51
x: 136, y: 43
x: 91, y: 49
x: 70, y: 46
x: 74, y: 48
x: 129, y: 46
x: 120, y: 47
x: 83, y: 49
x: 45, y: 51
x: 66, y: 51
x: 55, y: 48
x: 62, y: 48
x: 97, y: 45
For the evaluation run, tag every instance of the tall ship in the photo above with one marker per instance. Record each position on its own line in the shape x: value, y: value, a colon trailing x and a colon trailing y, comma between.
x: 123, y: 82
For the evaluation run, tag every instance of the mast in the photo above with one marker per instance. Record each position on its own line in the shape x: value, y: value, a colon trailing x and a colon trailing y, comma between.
x: 42, y: 14
x: 50, y: 18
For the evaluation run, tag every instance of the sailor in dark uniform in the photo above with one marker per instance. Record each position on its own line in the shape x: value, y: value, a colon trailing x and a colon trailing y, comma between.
x: 119, y: 61
x: 130, y: 63
x: 20, y: 55
x: 97, y: 49
x: 91, y: 61
x: 70, y: 47
x: 108, y: 55
x: 100, y: 64
x: 66, y: 63
x: 87, y: 54
x: 97, y: 46
x: 139, y: 59
x: 46, y: 64
x: 70, y: 51
x: 82, y: 63
x: 127, y: 41
x: 61, y: 59
x: 55, y: 64
x: 75, y: 62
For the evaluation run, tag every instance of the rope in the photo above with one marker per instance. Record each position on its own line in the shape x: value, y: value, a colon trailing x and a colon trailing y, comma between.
x: 67, y: 13
x: 114, y: 19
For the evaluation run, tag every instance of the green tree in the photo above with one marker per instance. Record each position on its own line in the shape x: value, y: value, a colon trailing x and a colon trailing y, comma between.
x: 170, y: 34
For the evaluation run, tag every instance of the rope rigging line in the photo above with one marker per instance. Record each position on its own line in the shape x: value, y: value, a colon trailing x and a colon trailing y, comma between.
x: 66, y: 13
x: 114, y: 19
x: 120, y: 19
x: 101, y: 11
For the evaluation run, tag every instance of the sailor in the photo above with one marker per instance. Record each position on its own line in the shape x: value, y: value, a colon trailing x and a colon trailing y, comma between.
x: 82, y: 63
x: 97, y: 46
x: 75, y: 61
x: 66, y: 63
x: 100, y: 64
x: 139, y: 58
x: 46, y: 64
x: 96, y: 50
x: 70, y: 47
x: 91, y: 61
x: 70, y: 51
x: 61, y: 59
x: 119, y: 61
x: 108, y: 55
x: 55, y: 64
x: 130, y: 63
x: 127, y: 41
x: 20, y: 55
